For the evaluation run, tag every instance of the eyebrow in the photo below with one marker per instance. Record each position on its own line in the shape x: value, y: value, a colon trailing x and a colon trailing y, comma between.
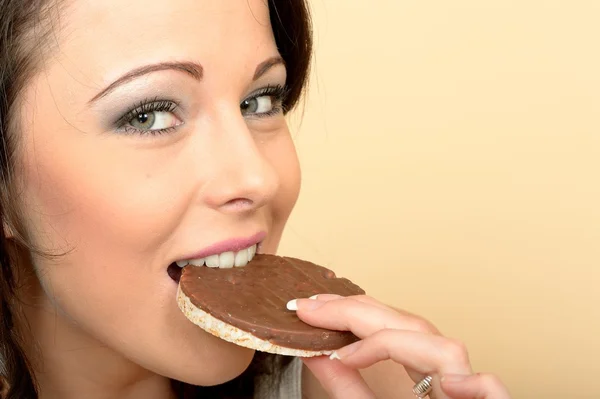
x: 193, y: 69
x: 265, y: 66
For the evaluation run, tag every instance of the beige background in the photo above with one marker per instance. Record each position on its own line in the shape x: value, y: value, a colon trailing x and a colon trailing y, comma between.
x: 451, y: 159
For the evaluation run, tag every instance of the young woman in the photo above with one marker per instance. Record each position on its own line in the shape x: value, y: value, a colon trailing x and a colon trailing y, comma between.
x: 136, y: 134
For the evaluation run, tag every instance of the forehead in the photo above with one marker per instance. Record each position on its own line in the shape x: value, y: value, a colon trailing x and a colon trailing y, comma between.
x: 100, y: 39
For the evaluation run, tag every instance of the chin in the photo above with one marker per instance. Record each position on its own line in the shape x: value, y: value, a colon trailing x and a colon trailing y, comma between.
x: 227, y: 362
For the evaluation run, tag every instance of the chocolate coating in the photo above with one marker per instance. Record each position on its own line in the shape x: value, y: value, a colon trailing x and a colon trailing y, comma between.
x: 253, y: 298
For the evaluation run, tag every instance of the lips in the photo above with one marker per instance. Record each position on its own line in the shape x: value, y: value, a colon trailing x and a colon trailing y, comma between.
x: 224, y: 260
x: 225, y: 255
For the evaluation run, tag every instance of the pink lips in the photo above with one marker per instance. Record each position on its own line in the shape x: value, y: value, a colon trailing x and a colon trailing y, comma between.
x: 232, y: 245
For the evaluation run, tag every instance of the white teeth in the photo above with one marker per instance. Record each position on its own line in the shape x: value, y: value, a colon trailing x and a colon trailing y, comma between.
x: 241, y: 258
x: 226, y: 260
x: 212, y: 261
x: 197, y: 262
x: 251, y: 252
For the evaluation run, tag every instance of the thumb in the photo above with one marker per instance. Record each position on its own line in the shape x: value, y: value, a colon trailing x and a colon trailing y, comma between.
x: 338, y: 380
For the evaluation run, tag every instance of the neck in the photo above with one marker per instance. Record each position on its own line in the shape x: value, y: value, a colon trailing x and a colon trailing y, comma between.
x: 69, y: 364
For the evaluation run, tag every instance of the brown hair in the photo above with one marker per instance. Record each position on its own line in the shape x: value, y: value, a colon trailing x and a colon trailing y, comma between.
x: 22, y: 24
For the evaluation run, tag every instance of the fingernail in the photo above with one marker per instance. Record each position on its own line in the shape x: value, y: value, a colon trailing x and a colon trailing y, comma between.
x: 292, y: 305
x: 314, y: 297
x: 306, y: 305
x: 346, y: 351
x: 454, y: 378
x: 335, y: 356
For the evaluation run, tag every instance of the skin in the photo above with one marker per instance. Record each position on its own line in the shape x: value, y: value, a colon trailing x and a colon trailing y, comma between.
x: 397, y: 349
x: 121, y: 205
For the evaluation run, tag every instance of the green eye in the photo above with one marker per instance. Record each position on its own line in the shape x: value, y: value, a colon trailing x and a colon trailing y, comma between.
x: 264, y: 102
x: 150, y: 117
x: 154, y: 120
x: 258, y: 105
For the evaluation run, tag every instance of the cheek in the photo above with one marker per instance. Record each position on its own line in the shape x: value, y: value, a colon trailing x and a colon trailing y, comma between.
x: 283, y: 158
x: 109, y: 211
x: 88, y: 209
x: 87, y: 189
x: 84, y: 194
x: 111, y: 285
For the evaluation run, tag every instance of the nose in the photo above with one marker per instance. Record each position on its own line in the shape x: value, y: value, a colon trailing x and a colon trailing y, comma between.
x: 241, y: 177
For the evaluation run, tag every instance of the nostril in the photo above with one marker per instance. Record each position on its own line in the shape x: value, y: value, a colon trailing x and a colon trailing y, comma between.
x: 239, y: 204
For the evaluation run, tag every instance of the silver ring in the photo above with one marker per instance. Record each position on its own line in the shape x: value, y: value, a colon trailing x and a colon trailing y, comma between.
x: 423, y: 387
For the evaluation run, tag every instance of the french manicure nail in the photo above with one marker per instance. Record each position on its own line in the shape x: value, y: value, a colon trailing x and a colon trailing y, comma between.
x: 292, y: 305
x: 347, y: 350
x: 306, y: 305
x: 335, y: 356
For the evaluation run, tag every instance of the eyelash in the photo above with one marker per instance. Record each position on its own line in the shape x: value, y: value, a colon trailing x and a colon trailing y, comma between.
x: 278, y: 92
x: 146, y: 107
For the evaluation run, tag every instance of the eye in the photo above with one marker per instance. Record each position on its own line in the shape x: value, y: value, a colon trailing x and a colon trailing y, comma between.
x: 257, y: 105
x: 266, y: 102
x: 154, y: 117
x: 154, y: 120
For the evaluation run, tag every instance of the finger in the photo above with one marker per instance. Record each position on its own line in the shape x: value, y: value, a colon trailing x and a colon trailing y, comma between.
x: 326, y: 297
x: 371, y: 301
x: 423, y: 325
x: 478, y: 386
x: 419, y: 323
x: 360, y: 298
x: 426, y: 353
x: 338, y: 381
x: 358, y: 316
x: 421, y: 355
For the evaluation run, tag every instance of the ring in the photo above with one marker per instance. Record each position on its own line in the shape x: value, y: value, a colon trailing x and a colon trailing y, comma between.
x: 423, y: 387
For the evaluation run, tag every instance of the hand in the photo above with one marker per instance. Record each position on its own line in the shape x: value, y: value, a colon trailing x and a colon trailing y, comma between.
x: 388, y: 334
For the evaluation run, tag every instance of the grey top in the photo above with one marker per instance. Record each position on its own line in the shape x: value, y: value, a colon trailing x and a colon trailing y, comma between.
x: 290, y: 386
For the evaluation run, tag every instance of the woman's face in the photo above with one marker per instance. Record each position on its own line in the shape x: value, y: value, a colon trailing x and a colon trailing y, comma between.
x: 153, y: 134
